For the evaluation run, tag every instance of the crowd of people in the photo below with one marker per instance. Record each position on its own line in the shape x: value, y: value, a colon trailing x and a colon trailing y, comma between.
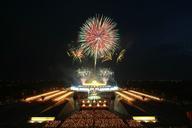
x: 76, y: 123
x: 133, y: 123
x: 52, y: 124
x: 109, y: 123
x: 93, y: 118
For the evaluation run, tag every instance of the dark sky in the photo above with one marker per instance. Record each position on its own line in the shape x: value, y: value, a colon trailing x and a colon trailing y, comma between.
x: 35, y: 37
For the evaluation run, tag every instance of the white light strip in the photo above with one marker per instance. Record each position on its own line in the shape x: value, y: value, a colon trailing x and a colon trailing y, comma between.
x: 135, y: 96
x: 54, y: 95
x: 145, y: 118
x: 87, y: 89
x: 41, y: 119
x: 38, y: 96
x: 143, y: 94
x: 63, y: 96
x: 124, y: 96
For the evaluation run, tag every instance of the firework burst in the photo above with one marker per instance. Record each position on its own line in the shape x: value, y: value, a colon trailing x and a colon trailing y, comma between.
x: 77, y: 54
x: 105, y: 74
x: 107, y: 57
x: 84, y: 74
x: 98, y: 37
x: 121, y: 55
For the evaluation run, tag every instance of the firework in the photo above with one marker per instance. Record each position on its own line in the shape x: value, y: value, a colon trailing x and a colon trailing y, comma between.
x: 105, y: 74
x: 98, y: 37
x: 107, y: 58
x: 120, y: 56
x: 77, y: 54
x: 84, y: 74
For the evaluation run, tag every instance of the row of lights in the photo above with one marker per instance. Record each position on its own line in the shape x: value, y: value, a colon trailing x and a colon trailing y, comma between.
x: 98, y: 105
x: 94, y: 101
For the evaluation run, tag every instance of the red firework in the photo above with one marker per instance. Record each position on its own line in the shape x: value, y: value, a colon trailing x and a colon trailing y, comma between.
x: 98, y: 36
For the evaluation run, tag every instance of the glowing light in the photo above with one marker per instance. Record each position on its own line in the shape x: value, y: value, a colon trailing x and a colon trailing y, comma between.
x: 81, y: 89
x: 84, y: 74
x: 92, y: 97
x: 41, y: 119
x: 90, y: 105
x: 104, y: 105
x: 105, y: 74
x: 145, y: 118
x: 98, y: 104
x: 107, y: 57
x: 61, y: 98
x: 41, y: 95
x: 83, y: 105
x: 87, y: 89
x: 146, y: 95
x: 98, y: 37
x: 54, y: 95
x: 77, y: 54
x: 120, y: 56
x: 135, y: 96
x: 94, y: 83
x: 124, y: 96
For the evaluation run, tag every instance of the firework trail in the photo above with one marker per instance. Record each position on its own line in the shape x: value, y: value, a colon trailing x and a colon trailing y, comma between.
x: 107, y: 58
x: 98, y: 37
x: 120, y: 56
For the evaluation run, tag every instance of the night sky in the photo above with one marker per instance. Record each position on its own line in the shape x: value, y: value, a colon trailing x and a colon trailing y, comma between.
x: 36, y: 35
